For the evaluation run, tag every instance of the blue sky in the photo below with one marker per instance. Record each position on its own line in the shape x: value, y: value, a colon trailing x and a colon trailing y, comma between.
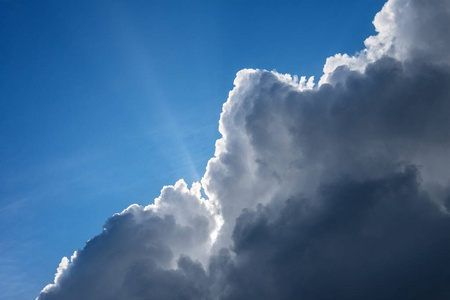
x: 105, y: 102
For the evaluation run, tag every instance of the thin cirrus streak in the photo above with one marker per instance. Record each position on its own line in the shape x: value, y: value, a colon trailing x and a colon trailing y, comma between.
x: 339, y: 191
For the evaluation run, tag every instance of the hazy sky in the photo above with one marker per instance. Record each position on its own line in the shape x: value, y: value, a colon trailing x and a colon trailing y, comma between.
x: 105, y: 102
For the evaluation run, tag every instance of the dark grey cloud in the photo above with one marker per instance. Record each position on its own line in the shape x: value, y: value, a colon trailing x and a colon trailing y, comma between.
x: 371, y: 239
x: 372, y: 229
x: 336, y: 192
x: 142, y: 253
x: 109, y: 265
x: 130, y: 260
x: 388, y: 113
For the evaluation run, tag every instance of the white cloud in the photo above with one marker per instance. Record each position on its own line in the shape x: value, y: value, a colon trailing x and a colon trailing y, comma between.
x: 406, y: 30
x: 303, y: 179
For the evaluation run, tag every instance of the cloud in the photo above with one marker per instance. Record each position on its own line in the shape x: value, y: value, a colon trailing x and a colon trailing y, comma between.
x: 407, y: 30
x: 139, y: 250
x: 359, y: 239
x: 339, y: 191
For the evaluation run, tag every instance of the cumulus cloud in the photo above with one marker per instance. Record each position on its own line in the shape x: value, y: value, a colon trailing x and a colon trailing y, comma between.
x: 339, y: 191
x: 407, y: 30
x: 136, y: 254
x: 358, y: 239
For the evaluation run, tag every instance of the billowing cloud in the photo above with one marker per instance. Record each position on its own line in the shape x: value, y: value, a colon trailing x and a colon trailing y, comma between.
x: 407, y: 30
x: 358, y: 239
x: 138, y: 250
x: 339, y: 191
